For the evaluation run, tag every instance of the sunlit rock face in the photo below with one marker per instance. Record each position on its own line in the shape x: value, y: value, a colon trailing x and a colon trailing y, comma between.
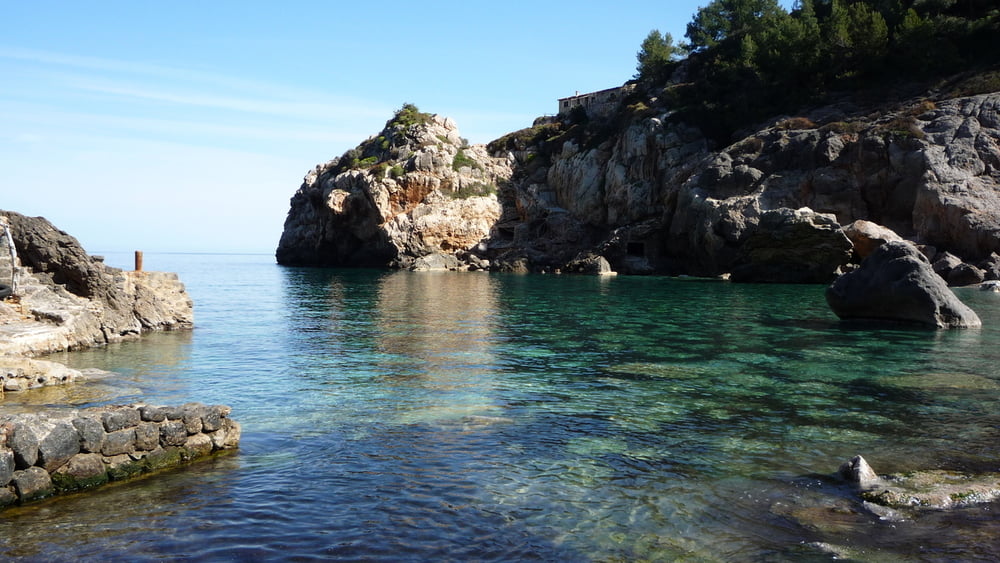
x: 416, y: 190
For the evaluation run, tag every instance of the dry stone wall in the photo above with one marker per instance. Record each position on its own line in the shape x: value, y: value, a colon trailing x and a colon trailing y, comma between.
x: 44, y: 454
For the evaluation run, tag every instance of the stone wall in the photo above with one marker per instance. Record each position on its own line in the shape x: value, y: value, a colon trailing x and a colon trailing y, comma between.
x: 44, y: 454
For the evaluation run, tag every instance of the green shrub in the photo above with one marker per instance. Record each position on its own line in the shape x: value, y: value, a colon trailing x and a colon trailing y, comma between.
x: 474, y: 190
x: 522, y: 139
x: 396, y: 171
x: 461, y: 159
x: 984, y: 83
x: 750, y: 145
x: 902, y: 127
x: 843, y: 127
x: 409, y: 115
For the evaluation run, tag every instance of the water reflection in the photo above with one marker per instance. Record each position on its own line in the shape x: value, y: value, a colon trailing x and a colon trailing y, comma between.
x: 120, y: 520
x: 435, y: 338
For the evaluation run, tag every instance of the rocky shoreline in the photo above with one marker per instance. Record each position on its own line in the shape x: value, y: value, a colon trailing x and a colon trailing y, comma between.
x: 60, y: 298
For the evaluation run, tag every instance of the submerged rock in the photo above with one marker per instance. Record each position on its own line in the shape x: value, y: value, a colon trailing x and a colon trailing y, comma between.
x: 935, y: 489
x: 896, y: 283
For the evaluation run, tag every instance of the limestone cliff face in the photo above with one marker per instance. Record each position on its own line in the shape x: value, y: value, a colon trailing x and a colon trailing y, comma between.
x: 415, y: 196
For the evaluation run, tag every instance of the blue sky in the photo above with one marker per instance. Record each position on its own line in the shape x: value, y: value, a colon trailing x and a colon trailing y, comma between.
x: 187, y: 126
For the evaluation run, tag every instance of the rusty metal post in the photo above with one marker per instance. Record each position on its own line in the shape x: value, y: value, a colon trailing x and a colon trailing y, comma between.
x: 138, y: 260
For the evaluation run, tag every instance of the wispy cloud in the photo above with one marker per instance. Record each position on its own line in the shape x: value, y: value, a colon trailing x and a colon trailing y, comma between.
x: 301, y: 108
x: 49, y: 91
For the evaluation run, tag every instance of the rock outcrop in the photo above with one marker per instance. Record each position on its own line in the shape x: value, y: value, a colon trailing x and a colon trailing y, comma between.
x: 896, y: 283
x: 416, y: 190
x: 67, y: 299
x: 649, y: 194
x: 857, y: 471
x: 926, y: 170
x: 932, y: 489
x: 866, y: 237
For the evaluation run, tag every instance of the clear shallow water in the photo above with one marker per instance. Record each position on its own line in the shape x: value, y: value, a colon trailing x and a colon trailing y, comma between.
x: 437, y: 416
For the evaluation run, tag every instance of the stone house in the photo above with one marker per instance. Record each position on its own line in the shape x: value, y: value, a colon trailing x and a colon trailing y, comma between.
x: 597, y: 104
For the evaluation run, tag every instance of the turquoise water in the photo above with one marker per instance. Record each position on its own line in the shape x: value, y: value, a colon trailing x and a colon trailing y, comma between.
x: 439, y: 416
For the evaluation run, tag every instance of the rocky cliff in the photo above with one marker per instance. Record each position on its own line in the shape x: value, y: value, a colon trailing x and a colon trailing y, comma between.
x: 648, y: 193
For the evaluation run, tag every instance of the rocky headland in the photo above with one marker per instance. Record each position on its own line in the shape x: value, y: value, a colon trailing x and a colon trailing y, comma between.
x: 416, y: 196
x: 799, y: 199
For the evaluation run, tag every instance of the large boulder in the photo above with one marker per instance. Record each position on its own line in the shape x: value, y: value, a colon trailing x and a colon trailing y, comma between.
x: 897, y: 283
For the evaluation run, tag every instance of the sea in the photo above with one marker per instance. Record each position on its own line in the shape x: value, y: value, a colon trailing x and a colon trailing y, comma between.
x: 441, y: 416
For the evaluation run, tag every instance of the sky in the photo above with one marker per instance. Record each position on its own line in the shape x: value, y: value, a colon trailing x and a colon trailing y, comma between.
x: 187, y: 126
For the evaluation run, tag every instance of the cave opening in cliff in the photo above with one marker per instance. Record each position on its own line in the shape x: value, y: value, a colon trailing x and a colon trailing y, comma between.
x: 636, y: 249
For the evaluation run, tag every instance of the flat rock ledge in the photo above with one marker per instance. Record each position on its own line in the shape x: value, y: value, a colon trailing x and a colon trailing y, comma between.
x: 49, y: 453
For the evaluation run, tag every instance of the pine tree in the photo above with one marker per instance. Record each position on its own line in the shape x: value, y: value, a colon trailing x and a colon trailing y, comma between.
x: 656, y: 56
